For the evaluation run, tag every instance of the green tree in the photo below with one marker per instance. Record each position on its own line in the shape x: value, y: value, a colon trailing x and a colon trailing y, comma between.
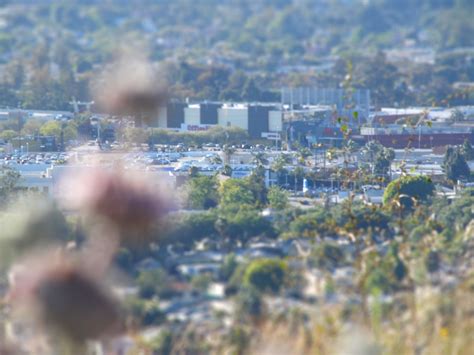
x: 455, y: 165
x: 265, y: 275
x: 383, y: 160
x: 144, y: 312
x: 228, y: 152
x: 467, y: 150
x: 9, y: 180
x: 277, y: 198
x: 228, y: 266
x: 32, y: 126
x: 315, y: 222
x: 202, y: 192
x: 259, y: 159
x: 70, y: 131
x: 155, y: 282
x: 8, y: 96
x: 227, y: 170
x: 250, y: 91
x: 235, y: 192
x: 327, y: 256
x: 8, y: 135
x: 238, y: 223
x: 187, y: 228
x: 51, y: 128
x: 193, y: 172
x: 408, y: 189
x: 256, y: 184
x: 279, y: 164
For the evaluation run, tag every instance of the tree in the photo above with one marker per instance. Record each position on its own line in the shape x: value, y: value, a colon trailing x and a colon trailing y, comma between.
x: 235, y: 191
x: 467, y: 150
x: 265, y: 275
x: 279, y: 164
x: 316, y: 222
x: 8, y: 135
x: 144, y: 312
x: 8, y: 97
x: 216, y: 160
x: 457, y: 115
x: 202, y: 192
x: 238, y: 223
x: 193, y: 171
x: 327, y: 256
x: 9, y: 179
x: 250, y: 91
x: 32, y: 126
x: 277, y: 198
x: 227, y: 170
x: 70, y: 131
x: 409, y: 189
x: 187, y: 228
x: 51, y: 128
x: 228, y: 267
x: 259, y: 159
x: 303, y: 154
x: 256, y: 184
x: 228, y: 152
x: 380, y: 157
x: 383, y: 161
x: 154, y: 282
x: 454, y: 165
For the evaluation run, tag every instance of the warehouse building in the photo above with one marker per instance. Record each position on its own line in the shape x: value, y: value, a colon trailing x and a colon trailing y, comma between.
x: 254, y: 118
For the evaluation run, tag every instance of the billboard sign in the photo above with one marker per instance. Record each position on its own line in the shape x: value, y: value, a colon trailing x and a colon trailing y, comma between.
x: 271, y: 136
x: 194, y: 127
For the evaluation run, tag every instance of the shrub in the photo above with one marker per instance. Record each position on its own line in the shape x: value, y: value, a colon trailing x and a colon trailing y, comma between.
x: 265, y: 275
x: 409, y: 189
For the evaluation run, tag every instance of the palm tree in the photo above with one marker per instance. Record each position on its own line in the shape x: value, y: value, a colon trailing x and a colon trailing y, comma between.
x: 371, y: 149
x: 228, y: 152
x: 216, y: 160
x: 303, y: 154
x: 259, y: 159
x: 279, y: 164
x: 347, y: 149
x: 193, y: 171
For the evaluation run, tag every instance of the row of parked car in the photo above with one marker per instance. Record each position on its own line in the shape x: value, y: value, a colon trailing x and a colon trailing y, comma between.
x: 34, y: 158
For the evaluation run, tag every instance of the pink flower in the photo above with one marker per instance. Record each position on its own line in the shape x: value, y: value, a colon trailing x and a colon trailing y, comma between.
x: 60, y: 296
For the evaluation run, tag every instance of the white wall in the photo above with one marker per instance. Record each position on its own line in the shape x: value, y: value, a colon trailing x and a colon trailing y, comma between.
x: 233, y: 117
x: 192, y: 115
x: 275, y: 121
x: 161, y: 118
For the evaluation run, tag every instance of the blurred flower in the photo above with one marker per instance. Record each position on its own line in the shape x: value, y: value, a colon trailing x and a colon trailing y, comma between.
x: 130, y: 87
x: 60, y: 296
x: 6, y: 349
x: 30, y: 223
x: 130, y: 203
x: 444, y: 332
